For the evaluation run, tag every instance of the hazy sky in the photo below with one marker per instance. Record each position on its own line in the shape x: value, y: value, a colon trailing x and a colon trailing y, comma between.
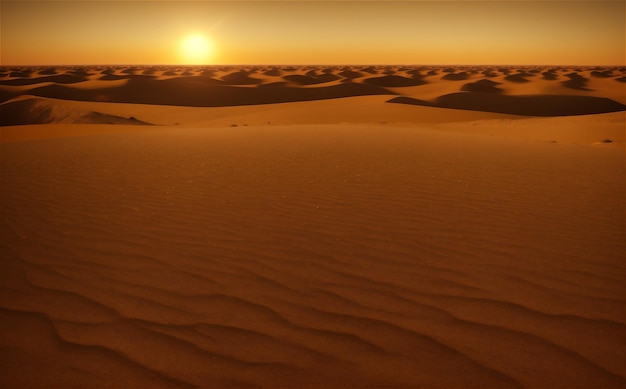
x: 312, y: 32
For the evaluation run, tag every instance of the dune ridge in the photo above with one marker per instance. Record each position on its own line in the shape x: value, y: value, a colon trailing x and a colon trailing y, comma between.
x: 530, y: 105
x: 40, y: 111
x: 194, y: 94
x: 582, y: 93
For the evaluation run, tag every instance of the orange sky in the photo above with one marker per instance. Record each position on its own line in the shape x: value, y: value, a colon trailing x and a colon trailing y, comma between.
x: 313, y: 32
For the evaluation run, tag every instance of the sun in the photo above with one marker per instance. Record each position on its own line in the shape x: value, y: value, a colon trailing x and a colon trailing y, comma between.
x: 196, y: 49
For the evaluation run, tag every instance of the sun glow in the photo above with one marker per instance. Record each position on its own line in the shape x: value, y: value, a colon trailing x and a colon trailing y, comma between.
x: 196, y: 49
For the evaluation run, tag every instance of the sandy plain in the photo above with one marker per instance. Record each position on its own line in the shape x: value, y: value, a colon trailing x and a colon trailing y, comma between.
x: 312, y: 227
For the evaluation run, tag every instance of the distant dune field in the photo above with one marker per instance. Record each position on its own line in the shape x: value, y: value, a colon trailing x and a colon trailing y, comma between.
x: 312, y: 227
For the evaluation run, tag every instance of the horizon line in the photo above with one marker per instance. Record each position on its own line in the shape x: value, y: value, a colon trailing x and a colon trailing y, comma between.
x: 311, y: 64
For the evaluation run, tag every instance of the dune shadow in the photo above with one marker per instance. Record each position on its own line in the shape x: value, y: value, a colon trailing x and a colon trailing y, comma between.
x: 199, y: 91
x: 49, y: 71
x: 312, y: 79
x: 518, y: 77
x: 59, y: 79
x: 461, y: 76
x: 601, y: 73
x: 395, y: 81
x: 484, y: 86
x: 273, y: 72
x: 240, y: 78
x: 549, y: 75
x: 528, y: 105
x: 38, y: 111
x: 576, y: 81
x: 350, y: 74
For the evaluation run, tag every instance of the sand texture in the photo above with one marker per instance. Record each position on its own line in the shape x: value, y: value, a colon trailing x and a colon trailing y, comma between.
x: 304, y: 232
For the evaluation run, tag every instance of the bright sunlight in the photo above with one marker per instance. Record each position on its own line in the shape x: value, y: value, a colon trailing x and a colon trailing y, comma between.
x: 196, y: 49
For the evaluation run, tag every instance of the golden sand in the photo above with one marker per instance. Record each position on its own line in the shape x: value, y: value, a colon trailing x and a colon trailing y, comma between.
x: 338, y: 242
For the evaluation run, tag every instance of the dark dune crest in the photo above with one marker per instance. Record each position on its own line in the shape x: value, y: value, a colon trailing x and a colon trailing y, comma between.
x: 207, y: 73
x: 103, y: 118
x: 461, y: 76
x: 416, y: 73
x: 38, y: 111
x: 394, y: 81
x: 576, y: 81
x: 369, y: 70
x: 25, y: 112
x: 300, y: 79
x: 489, y: 73
x: 130, y: 71
x: 327, y: 77
x: 230, y: 86
x: 113, y: 77
x: 80, y: 72
x: 21, y: 73
x: 518, y: 77
x: 549, y: 75
x: 274, y: 72
x: 274, y: 84
x: 411, y: 101
x: 240, y: 78
x: 602, y: 73
x: 484, y: 86
x: 529, y: 105
x: 59, y: 79
x: 350, y: 74
x: 49, y: 71
x: 204, y: 92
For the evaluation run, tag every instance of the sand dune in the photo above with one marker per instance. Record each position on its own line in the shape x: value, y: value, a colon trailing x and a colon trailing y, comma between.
x: 518, y: 77
x: 394, y: 81
x: 576, y: 81
x: 456, y: 76
x: 59, y: 79
x: 43, y: 111
x: 187, y: 84
x: 311, y: 79
x: 275, y: 231
x: 240, y: 78
x: 198, y: 92
x: 484, y: 86
x: 350, y: 74
x: 537, y: 105
x: 549, y: 75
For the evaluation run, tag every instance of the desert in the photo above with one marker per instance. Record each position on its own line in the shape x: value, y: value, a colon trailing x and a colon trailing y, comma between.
x: 344, y: 226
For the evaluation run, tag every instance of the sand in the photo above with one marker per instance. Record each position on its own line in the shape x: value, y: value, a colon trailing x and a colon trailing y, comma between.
x: 339, y: 242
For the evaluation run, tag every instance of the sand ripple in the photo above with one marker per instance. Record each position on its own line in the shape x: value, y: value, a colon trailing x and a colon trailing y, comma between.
x: 310, y: 258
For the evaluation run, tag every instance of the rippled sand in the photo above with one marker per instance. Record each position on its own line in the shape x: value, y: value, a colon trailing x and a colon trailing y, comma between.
x: 311, y: 256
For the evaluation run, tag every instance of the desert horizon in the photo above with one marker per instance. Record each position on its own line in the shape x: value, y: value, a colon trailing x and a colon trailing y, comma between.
x: 312, y: 226
x: 364, y: 222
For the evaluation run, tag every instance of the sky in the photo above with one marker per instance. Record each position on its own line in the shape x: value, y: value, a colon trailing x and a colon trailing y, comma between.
x: 141, y: 32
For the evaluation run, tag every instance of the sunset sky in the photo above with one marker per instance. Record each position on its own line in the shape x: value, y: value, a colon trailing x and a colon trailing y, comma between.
x: 312, y: 32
